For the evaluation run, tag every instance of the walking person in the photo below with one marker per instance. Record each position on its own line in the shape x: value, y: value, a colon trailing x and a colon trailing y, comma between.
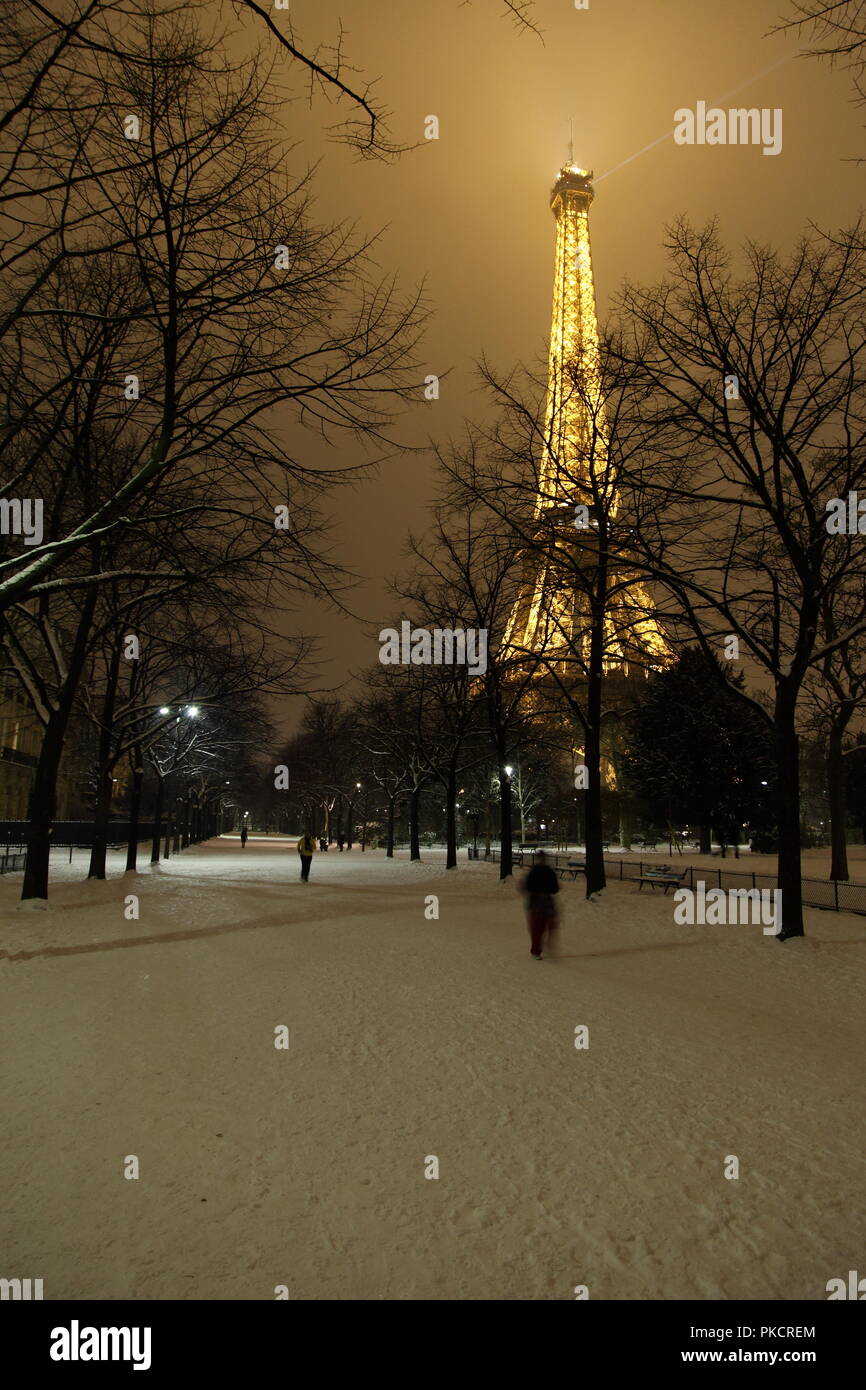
x: 541, y: 886
x: 306, y: 849
x: 244, y: 835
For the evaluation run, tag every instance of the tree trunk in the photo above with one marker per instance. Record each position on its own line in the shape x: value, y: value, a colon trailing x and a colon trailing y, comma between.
x: 42, y: 807
x: 392, y: 807
x: 595, y: 875
x: 451, y: 819
x: 104, y: 768
x: 838, y: 799
x: 706, y: 839
x: 157, y: 819
x: 788, y: 761
x: 100, y: 821
x: 134, y: 807
x: 414, y: 838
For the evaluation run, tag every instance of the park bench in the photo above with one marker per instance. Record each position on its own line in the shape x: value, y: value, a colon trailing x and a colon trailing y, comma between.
x: 663, y: 876
x: 572, y: 868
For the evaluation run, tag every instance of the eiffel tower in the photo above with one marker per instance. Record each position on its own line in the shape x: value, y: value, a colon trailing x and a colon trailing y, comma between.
x: 550, y: 617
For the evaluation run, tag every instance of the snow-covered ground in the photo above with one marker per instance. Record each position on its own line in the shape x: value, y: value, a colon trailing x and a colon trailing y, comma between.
x: 411, y: 1038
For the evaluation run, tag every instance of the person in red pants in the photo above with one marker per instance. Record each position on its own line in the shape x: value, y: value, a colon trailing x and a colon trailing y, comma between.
x: 540, y: 886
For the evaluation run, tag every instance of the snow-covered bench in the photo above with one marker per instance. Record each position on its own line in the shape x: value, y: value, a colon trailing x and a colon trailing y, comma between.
x: 662, y: 877
x: 572, y: 868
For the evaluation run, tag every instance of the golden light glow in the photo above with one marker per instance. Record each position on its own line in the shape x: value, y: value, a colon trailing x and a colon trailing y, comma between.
x: 573, y: 427
x: 549, y: 617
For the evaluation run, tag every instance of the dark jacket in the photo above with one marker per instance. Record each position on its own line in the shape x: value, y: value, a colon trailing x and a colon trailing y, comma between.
x: 540, y: 886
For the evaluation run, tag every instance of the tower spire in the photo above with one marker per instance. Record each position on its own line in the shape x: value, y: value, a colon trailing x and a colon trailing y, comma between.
x: 574, y: 427
x: 571, y: 139
x: 550, y: 613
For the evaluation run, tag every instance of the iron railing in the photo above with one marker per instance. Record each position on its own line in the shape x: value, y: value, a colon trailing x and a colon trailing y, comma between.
x: 833, y: 895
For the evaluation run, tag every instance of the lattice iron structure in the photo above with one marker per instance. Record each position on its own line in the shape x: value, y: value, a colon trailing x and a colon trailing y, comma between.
x: 550, y: 615
x: 569, y: 433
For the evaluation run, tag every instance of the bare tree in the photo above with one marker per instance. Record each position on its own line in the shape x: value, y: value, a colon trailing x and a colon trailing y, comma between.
x: 580, y: 620
x: 835, y: 696
x: 396, y: 722
x: 187, y: 657
x: 186, y: 475
x: 754, y: 391
x: 205, y: 298
x: 468, y: 576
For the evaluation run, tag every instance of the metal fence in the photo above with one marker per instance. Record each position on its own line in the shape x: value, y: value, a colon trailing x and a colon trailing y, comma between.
x: 73, y: 832
x: 65, y: 834
x: 830, y: 894
x: 12, y: 860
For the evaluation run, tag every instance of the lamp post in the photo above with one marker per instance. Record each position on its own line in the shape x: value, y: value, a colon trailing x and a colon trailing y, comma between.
x: 474, y: 815
x: 136, y: 762
x: 363, y: 818
x: 178, y: 822
x: 506, y: 837
x: 350, y: 816
x: 165, y: 711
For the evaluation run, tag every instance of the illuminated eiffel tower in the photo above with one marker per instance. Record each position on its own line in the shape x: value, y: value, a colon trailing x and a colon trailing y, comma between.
x: 551, y: 615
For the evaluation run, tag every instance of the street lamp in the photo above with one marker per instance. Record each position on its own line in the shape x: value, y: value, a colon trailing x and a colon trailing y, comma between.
x: 363, y: 820
x: 350, y: 816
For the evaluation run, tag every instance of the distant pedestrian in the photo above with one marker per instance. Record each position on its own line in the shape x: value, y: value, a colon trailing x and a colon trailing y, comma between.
x: 341, y: 840
x: 306, y: 849
x: 541, y: 886
x: 243, y: 836
x: 323, y: 844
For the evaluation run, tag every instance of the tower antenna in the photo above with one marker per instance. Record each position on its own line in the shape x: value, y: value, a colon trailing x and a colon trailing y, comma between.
x: 571, y: 139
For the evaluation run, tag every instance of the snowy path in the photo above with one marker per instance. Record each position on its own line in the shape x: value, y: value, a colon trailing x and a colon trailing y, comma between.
x: 410, y: 1038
